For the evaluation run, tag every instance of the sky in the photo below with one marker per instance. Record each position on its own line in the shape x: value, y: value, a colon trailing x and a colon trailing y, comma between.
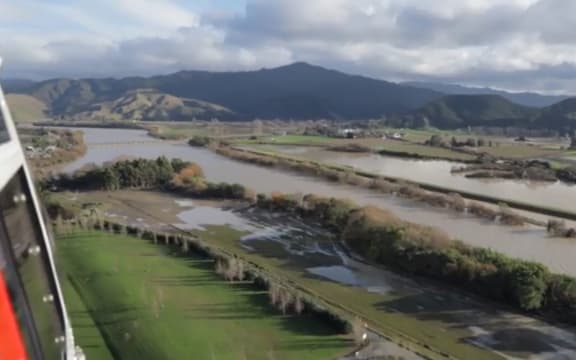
x: 507, y: 44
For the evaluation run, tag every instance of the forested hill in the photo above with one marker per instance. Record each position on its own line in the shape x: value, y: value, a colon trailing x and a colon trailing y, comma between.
x: 531, y: 99
x: 558, y: 116
x: 297, y: 91
x: 457, y: 111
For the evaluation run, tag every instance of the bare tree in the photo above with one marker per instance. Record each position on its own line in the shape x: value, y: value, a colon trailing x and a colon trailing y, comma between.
x: 298, y: 305
x: 285, y: 300
x: 59, y: 224
x: 240, y: 270
x: 359, y: 331
x: 185, y: 245
x: 257, y: 127
x: 274, y: 293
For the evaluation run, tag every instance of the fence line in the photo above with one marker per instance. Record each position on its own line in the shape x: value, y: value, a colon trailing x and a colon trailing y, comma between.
x: 316, y: 302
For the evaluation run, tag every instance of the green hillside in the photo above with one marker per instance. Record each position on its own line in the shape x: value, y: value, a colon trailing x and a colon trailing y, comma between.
x: 152, y: 105
x: 455, y: 111
x: 559, y: 116
x: 25, y: 108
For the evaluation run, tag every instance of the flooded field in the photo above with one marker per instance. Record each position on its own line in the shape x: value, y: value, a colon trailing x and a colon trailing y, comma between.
x: 309, y: 254
x: 528, y: 242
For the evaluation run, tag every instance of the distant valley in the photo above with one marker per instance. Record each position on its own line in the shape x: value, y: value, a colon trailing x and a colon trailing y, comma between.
x: 294, y: 92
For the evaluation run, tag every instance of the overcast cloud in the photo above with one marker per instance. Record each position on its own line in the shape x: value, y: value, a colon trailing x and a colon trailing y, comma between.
x: 511, y: 44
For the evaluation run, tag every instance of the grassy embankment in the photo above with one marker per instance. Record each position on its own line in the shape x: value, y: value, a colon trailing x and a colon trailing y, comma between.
x: 150, y: 303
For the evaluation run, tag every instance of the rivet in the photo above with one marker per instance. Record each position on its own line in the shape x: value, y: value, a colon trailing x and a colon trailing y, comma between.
x: 34, y: 250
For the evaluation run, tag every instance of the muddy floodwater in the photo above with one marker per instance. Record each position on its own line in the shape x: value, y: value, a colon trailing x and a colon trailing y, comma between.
x: 304, y: 247
x: 557, y: 195
x: 528, y: 242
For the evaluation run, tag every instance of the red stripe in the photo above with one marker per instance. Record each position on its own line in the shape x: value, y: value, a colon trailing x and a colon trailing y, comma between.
x: 11, y: 345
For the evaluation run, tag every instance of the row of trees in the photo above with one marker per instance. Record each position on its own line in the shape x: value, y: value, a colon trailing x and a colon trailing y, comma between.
x: 134, y: 174
x: 162, y: 174
x: 383, y: 238
x: 283, y: 295
x: 439, y: 141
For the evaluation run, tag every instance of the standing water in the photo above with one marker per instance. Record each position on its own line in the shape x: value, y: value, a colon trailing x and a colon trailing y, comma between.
x: 527, y: 242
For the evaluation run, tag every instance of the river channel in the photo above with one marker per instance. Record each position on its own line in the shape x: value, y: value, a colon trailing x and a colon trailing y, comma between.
x: 528, y: 242
x: 556, y: 195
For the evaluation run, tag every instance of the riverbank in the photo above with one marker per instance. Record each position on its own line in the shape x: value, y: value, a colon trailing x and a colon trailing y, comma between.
x: 426, y: 193
x: 47, y: 150
x: 533, y: 170
x: 340, y: 173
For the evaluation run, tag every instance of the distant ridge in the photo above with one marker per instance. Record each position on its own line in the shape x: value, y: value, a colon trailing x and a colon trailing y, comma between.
x: 296, y: 91
x: 521, y: 98
x: 456, y: 111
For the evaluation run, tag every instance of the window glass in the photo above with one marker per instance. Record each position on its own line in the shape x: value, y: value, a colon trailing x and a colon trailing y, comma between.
x: 3, y: 130
x: 23, y: 233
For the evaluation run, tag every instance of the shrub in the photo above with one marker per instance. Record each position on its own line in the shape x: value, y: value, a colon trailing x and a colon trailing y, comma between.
x: 482, y: 210
x: 380, y: 236
x: 199, y: 141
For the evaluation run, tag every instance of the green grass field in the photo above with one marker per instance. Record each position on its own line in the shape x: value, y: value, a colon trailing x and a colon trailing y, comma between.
x: 292, y: 140
x: 151, y: 303
x: 414, y: 146
x: 86, y: 333
x: 393, y: 314
x: 401, y: 147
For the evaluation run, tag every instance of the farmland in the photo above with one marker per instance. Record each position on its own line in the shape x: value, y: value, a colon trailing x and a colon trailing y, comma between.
x: 148, y: 302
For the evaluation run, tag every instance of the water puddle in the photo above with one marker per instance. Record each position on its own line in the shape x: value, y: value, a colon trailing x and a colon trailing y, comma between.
x: 198, y: 217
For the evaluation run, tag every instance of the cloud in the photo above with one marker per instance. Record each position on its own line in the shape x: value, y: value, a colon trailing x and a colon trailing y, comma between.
x: 514, y: 44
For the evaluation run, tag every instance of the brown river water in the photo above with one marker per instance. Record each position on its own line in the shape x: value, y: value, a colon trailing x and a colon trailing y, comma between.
x: 556, y: 195
x: 528, y: 242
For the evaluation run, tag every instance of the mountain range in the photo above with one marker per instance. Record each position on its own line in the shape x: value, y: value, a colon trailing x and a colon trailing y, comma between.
x: 299, y: 91
x: 521, y: 98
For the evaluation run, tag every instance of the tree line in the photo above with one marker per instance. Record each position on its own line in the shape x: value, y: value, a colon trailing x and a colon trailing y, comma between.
x: 381, y: 237
x: 173, y: 175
